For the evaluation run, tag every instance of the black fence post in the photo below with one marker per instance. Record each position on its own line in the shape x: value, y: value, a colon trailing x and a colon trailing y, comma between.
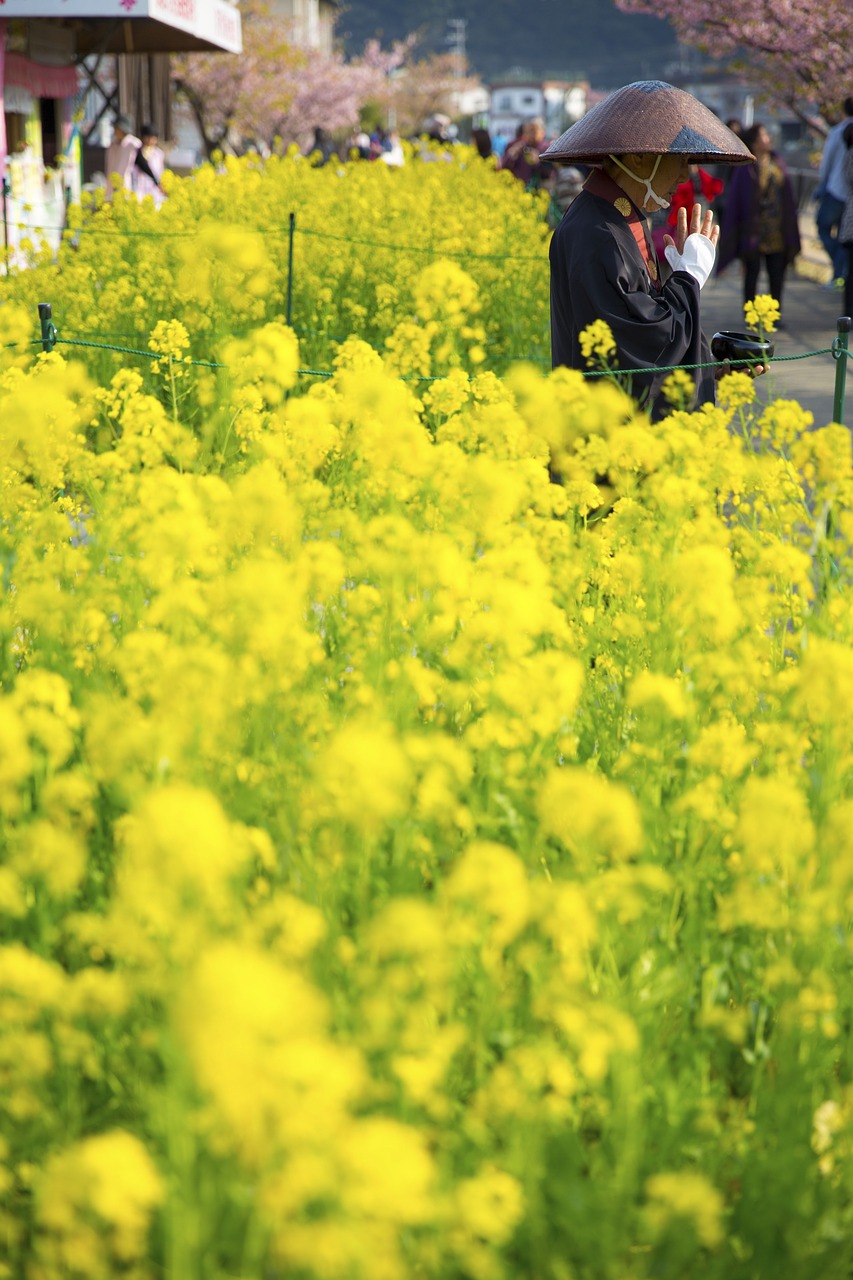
x: 48, y: 331
x: 840, y: 352
x: 292, y: 229
x: 6, y: 190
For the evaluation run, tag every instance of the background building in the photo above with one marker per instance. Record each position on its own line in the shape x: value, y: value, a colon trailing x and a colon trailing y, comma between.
x: 313, y: 21
x: 307, y: 23
x: 66, y: 66
x: 520, y: 95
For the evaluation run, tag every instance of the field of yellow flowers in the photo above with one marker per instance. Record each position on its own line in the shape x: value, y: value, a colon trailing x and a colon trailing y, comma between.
x: 370, y: 255
x: 407, y: 869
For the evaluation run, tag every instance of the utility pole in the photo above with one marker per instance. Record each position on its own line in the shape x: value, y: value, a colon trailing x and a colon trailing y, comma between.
x: 456, y: 40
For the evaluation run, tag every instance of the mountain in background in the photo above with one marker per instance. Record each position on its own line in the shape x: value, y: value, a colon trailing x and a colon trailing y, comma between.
x: 579, y: 39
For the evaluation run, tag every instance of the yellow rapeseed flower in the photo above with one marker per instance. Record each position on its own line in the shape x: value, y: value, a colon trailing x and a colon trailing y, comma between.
x: 686, y: 1198
x: 597, y: 343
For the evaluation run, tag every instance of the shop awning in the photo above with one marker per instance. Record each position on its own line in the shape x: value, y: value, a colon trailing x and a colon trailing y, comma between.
x: 138, y: 26
x: 39, y: 80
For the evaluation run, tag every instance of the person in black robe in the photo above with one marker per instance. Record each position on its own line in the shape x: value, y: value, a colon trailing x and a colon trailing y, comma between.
x: 640, y: 141
x: 598, y: 272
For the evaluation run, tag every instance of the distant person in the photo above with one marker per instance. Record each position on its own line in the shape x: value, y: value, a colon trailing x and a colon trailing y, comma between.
x: 499, y: 143
x: 378, y: 143
x: 845, y: 230
x: 482, y: 140
x: 121, y: 155
x: 149, y: 166
x: 723, y: 172
x: 760, y: 219
x: 700, y: 185
x: 321, y: 150
x: 523, y: 156
x: 516, y: 137
x: 437, y: 128
x: 640, y: 141
x: 831, y: 197
x: 359, y: 141
x: 565, y: 189
x: 392, y: 153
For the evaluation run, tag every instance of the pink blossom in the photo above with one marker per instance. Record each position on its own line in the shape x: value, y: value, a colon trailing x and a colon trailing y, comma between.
x: 799, y: 50
x: 276, y: 88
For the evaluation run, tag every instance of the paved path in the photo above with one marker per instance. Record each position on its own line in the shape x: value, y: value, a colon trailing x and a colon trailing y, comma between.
x: 809, y: 314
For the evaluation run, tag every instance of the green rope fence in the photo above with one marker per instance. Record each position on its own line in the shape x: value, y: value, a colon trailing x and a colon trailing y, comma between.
x: 277, y: 229
x: 421, y: 248
x: 839, y: 351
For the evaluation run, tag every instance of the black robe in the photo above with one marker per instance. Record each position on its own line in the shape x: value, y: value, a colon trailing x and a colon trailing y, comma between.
x: 598, y: 273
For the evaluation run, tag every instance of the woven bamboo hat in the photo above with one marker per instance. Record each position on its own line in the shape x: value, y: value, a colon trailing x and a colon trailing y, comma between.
x: 649, y: 117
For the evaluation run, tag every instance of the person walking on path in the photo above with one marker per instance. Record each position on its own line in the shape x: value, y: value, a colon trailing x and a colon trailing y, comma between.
x: 641, y: 141
x: 831, y: 193
x: 760, y: 218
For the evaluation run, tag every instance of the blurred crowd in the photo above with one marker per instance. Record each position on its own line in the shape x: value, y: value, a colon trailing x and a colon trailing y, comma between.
x: 754, y: 205
x: 520, y: 155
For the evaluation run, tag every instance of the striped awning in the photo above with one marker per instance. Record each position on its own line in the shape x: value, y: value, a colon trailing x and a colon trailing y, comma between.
x: 38, y: 79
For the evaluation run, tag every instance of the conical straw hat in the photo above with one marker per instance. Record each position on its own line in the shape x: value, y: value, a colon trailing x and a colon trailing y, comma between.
x: 649, y: 117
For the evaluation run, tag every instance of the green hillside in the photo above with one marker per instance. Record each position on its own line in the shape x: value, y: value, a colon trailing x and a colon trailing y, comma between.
x: 581, y: 37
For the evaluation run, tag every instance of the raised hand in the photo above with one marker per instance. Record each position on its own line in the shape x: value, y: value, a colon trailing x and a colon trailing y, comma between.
x: 701, y: 224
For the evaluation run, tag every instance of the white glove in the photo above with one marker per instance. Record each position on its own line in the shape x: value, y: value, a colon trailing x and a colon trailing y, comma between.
x: 697, y: 259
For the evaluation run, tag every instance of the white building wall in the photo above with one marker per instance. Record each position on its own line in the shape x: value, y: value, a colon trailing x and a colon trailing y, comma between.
x: 313, y: 21
x: 555, y: 102
x: 512, y: 104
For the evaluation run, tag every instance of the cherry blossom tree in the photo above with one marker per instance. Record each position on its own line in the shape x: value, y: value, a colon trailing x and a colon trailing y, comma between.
x: 330, y: 92
x: 419, y: 88
x: 799, y: 50
x: 275, y: 88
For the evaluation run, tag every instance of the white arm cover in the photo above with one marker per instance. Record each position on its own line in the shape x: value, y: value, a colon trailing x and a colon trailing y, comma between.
x: 697, y: 259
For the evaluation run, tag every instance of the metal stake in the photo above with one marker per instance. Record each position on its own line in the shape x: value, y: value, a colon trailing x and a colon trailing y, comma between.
x: 289, y: 315
x: 48, y: 331
x: 6, y: 217
x: 840, y: 355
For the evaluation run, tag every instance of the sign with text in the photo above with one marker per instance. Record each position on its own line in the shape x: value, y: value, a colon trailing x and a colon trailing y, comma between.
x: 216, y: 22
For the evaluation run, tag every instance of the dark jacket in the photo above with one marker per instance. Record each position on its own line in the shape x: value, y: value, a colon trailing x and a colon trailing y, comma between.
x: 740, y: 231
x: 598, y: 273
x: 521, y: 158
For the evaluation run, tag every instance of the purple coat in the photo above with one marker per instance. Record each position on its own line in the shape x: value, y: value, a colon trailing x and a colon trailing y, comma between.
x: 739, y: 231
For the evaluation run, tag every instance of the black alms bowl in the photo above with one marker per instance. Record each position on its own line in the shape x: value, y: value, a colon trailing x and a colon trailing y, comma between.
x: 728, y: 346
